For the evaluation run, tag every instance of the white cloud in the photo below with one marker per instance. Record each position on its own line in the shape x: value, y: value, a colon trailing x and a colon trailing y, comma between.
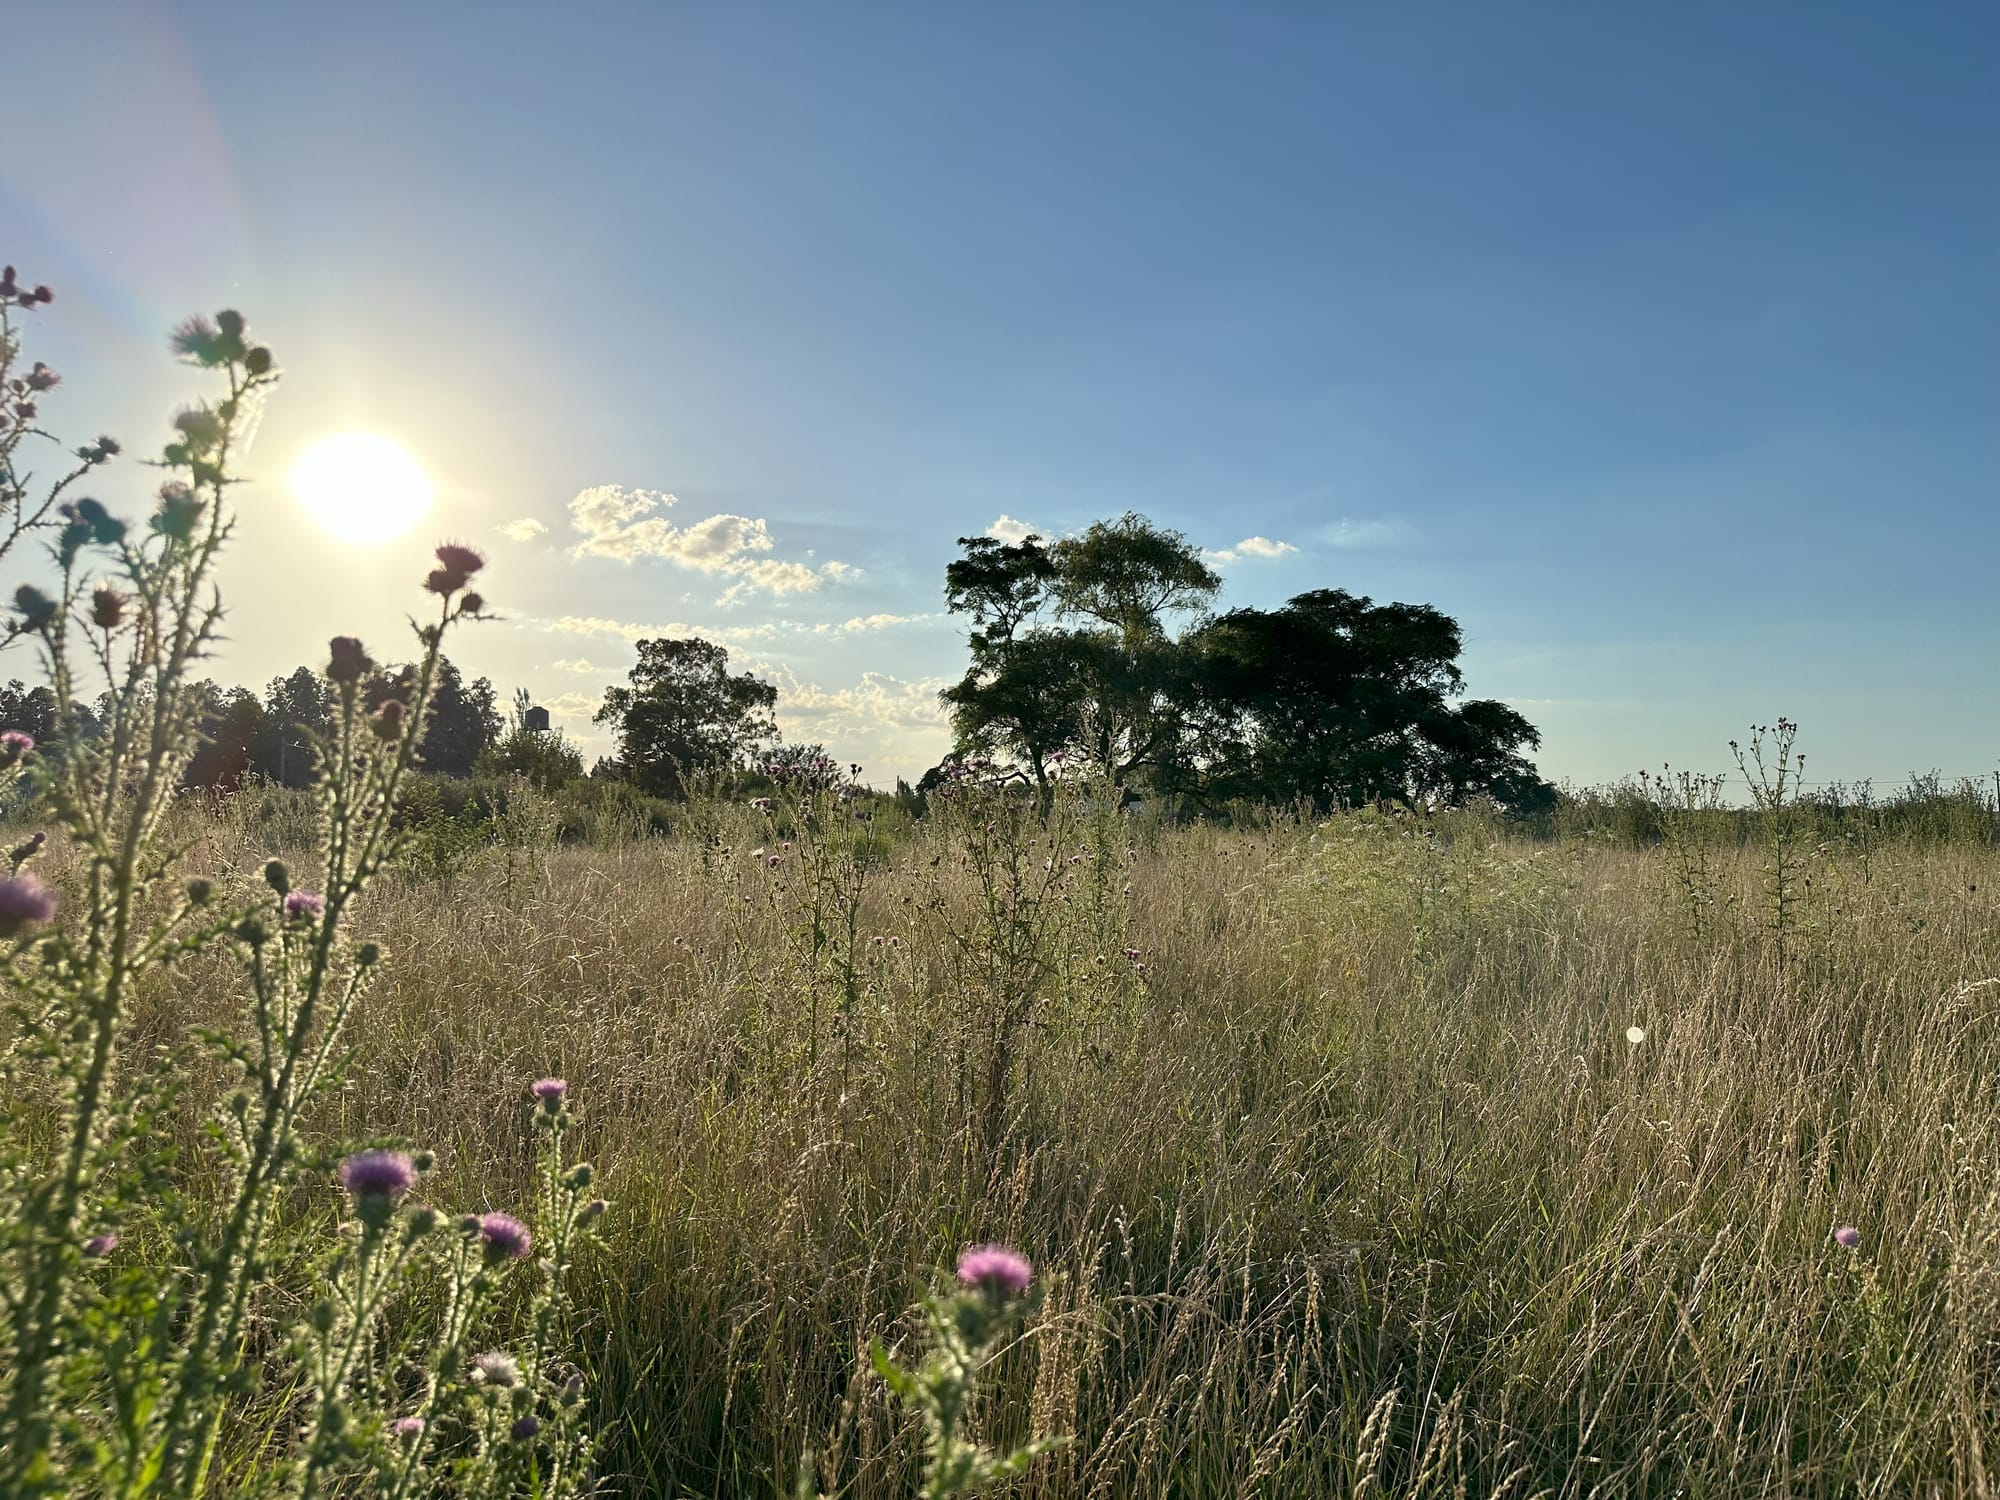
x: 576, y: 664
x: 629, y: 524
x: 524, y: 530
x: 891, y: 726
x: 626, y: 630
x: 572, y: 705
x: 1251, y: 546
x: 1005, y: 528
x: 861, y: 624
x: 1358, y: 534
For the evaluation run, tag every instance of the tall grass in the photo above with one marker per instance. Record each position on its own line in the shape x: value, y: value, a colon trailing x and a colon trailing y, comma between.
x: 1350, y: 1178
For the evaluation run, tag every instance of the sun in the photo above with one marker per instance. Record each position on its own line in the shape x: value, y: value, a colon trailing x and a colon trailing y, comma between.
x: 361, y: 487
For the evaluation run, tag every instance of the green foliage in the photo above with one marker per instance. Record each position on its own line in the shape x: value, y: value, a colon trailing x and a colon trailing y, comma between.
x: 683, y: 713
x: 1331, y: 700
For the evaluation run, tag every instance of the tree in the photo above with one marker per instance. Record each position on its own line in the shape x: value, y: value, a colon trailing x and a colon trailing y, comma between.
x: 1071, y: 645
x: 464, y: 722
x: 544, y: 757
x: 685, y: 712
x: 229, y: 725
x: 296, y: 709
x: 1341, y: 701
x: 1332, y: 698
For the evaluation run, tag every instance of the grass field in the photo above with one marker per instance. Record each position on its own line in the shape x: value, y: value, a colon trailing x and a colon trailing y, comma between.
x: 1352, y: 1176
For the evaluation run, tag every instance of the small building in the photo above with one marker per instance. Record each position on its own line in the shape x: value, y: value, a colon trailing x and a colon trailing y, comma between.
x: 536, y: 718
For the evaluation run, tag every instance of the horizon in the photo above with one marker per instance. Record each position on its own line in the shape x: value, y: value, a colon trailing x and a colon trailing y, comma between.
x: 1659, y: 354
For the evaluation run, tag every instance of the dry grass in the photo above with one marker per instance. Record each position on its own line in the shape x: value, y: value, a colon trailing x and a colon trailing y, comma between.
x: 1359, y: 1188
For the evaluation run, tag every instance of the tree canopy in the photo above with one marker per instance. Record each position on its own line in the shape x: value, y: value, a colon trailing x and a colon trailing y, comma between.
x: 684, y: 711
x: 1102, y: 645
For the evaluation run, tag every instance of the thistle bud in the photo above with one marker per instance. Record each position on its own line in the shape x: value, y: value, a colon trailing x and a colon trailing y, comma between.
x: 200, y: 892
x: 386, y: 723
x: 36, y: 607
x: 368, y: 955
x: 107, y: 609
x: 277, y: 876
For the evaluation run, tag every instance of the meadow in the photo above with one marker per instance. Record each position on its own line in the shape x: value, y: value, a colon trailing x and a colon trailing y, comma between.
x: 1363, y: 1155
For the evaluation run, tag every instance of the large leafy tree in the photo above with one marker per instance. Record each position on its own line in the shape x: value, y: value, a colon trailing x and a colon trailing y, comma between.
x: 1335, y: 699
x: 297, y: 709
x: 684, y: 711
x: 1072, y: 646
x: 1099, y: 643
x: 464, y: 722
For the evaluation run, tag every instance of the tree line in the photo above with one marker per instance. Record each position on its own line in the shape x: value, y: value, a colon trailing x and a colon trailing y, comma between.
x: 1103, y: 649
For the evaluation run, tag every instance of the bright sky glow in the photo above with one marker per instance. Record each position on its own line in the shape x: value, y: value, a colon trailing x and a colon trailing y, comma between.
x: 360, y: 487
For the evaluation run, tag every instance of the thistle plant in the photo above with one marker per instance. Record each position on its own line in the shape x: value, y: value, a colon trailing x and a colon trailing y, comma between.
x: 966, y: 1331
x: 1689, y: 805
x: 131, y: 1305
x: 1771, y: 770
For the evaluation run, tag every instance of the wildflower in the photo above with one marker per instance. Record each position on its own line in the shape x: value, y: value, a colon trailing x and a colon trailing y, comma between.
x: 99, y: 1245
x: 302, y: 906
x: 507, y: 1238
x: 497, y: 1369
x: 1635, y: 1034
x: 472, y: 604
x: 42, y: 378
x: 381, y: 1175
x: 107, y: 609
x: 459, y: 559
x: 350, y: 661
x: 409, y: 1429
x: 14, y: 744
x: 995, y: 1268
x: 201, y: 427
x: 525, y: 1427
x: 24, y: 903
x: 36, y: 607
x: 386, y: 723
x: 592, y: 1210
x: 1847, y: 1237
x: 550, y: 1091
x: 179, y: 511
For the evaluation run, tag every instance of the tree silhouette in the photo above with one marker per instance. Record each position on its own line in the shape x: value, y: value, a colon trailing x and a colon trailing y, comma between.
x: 685, y: 712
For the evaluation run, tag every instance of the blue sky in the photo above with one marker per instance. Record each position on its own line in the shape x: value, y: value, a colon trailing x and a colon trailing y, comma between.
x: 1657, y: 344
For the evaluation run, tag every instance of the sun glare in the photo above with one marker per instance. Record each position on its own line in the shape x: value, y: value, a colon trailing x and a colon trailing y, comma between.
x: 361, y: 488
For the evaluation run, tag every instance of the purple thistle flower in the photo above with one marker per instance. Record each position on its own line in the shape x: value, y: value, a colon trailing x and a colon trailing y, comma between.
x: 409, y: 1429
x: 300, y: 905
x: 506, y: 1237
x: 24, y: 903
x: 549, y: 1090
x: 995, y: 1268
x: 378, y: 1174
x: 14, y: 744
x: 1847, y: 1237
x: 99, y: 1245
x: 525, y: 1427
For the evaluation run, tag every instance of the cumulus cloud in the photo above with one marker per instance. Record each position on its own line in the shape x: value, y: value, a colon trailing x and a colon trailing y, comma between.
x: 576, y: 664
x: 892, y: 726
x: 1252, y: 546
x: 524, y: 530
x: 629, y: 524
x: 572, y: 705
x: 1005, y: 528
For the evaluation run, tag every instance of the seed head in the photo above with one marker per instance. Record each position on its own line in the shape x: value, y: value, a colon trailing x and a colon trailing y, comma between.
x: 349, y: 662
x: 496, y: 1368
